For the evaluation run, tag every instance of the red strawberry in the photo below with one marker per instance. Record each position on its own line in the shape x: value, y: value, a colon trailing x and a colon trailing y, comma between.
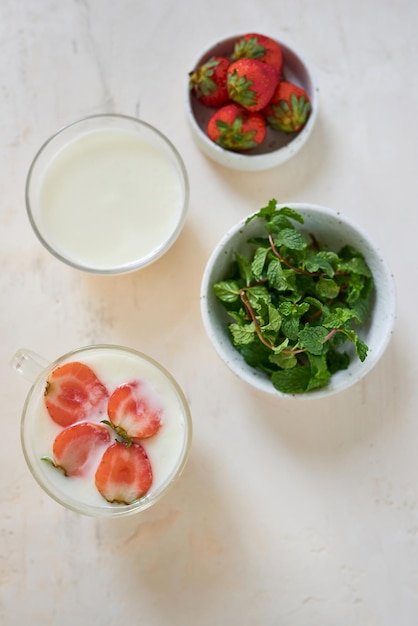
x: 251, y: 83
x: 208, y: 82
x: 255, y: 46
x: 288, y: 109
x: 72, y: 392
x: 75, y: 446
x: 124, y: 473
x: 234, y: 128
x: 130, y: 413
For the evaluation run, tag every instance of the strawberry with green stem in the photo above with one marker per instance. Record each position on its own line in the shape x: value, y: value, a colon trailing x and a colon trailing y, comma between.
x: 289, y: 108
x: 234, y: 128
x: 256, y: 46
x: 208, y: 82
x: 251, y: 83
x: 73, y: 392
x: 124, y: 473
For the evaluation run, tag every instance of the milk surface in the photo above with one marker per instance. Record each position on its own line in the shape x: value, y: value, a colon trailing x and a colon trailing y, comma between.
x: 165, y: 449
x: 108, y: 198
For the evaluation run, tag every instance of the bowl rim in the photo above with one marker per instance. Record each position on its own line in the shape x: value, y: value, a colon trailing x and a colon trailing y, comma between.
x: 257, y: 379
x: 255, y: 162
x: 142, y: 261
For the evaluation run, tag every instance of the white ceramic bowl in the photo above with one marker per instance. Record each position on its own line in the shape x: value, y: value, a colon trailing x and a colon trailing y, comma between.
x: 334, y: 230
x: 278, y: 147
x: 94, y: 196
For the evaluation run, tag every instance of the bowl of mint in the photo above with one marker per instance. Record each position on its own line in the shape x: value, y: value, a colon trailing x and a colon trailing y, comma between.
x: 298, y: 301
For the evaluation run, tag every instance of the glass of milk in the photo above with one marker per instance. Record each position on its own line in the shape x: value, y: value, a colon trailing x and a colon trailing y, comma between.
x: 114, y: 365
x: 107, y: 194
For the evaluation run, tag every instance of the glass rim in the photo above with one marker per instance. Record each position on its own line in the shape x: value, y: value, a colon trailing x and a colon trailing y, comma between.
x: 132, y: 265
x: 107, y: 510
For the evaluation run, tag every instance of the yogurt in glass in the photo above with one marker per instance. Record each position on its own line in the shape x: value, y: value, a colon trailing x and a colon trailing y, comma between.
x: 107, y: 194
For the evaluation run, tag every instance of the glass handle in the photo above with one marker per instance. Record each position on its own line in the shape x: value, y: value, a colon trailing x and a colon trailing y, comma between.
x: 28, y: 364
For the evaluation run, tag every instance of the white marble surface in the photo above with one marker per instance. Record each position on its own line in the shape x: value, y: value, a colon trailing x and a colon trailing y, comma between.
x: 287, y: 513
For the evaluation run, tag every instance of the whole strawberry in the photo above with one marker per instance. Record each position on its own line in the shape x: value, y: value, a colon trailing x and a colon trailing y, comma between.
x: 208, y: 82
x: 234, y: 128
x: 255, y: 46
x: 251, y: 83
x: 289, y: 108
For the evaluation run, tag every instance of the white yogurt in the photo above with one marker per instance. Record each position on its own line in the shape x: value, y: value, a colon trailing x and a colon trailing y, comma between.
x: 109, y: 197
x: 166, y: 449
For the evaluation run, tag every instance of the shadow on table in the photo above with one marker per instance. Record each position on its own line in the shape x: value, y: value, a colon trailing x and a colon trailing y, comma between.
x: 140, y: 308
x: 329, y: 427
x: 182, y: 550
x: 289, y: 181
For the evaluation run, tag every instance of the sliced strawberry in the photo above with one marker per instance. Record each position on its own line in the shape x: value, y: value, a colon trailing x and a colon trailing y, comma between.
x: 131, y: 414
x: 77, y: 445
x: 124, y: 473
x: 72, y: 392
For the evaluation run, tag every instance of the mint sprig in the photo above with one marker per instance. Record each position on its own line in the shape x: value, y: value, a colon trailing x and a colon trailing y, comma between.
x: 294, y: 305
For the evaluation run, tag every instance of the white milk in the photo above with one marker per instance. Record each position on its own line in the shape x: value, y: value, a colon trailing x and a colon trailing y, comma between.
x: 108, y: 198
x: 165, y: 449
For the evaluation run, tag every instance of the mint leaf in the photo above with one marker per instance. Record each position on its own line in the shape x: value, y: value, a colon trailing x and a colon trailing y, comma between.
x: 276, y: 275
x: 292, y: 214
x: 242, y: 334
x: 354, y: 288
x: 362, y: 308
x: 337, y: 361
x: 255, y: 354
x: 274, y: 320
x: 286, y: 307
x: 272, y: 215
x: 355, y: 265
x: 290, y: 327
x: 312, y: 338
x: 285, y: 360
x: 339, y: 317
x: 265, y: 213
x: 244, y: 268
x: 290, y: 238
x: 320, y: 372
x: 227, y: 290
x: 327, y: 288
x: 258, y: 296
x: 258, y: 262
x: 317, y: 304
x: 239, y: 316
x: 316, y: 262
x: 361, y: 348
x: 292, y: 381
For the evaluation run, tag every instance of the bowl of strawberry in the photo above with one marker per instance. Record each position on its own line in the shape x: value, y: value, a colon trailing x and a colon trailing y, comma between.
x: 251, y: 102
